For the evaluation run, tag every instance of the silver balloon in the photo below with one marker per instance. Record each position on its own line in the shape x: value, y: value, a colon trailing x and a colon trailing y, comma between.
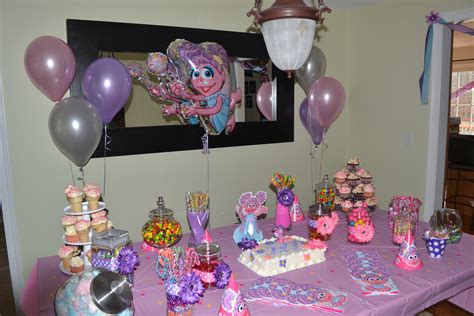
x: 313, y: 69
x: 75, y: 126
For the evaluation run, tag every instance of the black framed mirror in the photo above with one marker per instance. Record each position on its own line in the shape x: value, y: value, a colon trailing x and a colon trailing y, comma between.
x: 90, y: 40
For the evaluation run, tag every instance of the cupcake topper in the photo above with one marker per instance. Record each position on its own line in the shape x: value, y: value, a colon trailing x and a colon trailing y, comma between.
x: 407, y: 257
x: 233, y: 303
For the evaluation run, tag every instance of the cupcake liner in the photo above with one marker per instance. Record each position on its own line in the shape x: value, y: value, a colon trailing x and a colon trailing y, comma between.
x: 100, y: 227
x: 93, y: 203
x: 77, y: 269
x: 72, y: 238
x: 83, y: 235
x: 76, y: 204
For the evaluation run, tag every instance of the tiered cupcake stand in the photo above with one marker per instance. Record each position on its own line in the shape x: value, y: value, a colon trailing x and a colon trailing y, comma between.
x: 86, y: 246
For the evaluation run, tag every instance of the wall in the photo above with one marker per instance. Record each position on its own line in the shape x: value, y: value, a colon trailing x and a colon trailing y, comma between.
x: 40, y: 172
x: 387, y: 124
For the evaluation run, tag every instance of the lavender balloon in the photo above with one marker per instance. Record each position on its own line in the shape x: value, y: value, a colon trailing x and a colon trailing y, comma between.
x: 107, y: 85
x: 264, y: 100
x: 310, y: 123
x: 326, y: 100
x: 50, y: 65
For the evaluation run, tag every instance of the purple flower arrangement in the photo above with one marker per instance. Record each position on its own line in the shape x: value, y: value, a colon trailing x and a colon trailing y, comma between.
x: 286, y: 197
x: 128, y: 260
x: 222, y: 274
x: 247, y: 244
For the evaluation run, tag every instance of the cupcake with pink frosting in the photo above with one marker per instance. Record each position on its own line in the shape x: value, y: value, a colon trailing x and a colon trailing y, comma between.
x: 93, y: 194
x: 99, y: 214
x: 360, y: 171
x: 74, y: 196
x: 83, y: 228
x: 66, y: 253
x: 340, y: 177
x: 99, y: 224
x: 345, y: 192
x: 68, y: 223
x: 346, y: 205
x: 369, y: 191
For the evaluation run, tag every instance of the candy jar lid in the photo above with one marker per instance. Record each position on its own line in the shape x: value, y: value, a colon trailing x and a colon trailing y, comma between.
x: 325, y: 184
x: 318, y: 210
x: 161, y: 212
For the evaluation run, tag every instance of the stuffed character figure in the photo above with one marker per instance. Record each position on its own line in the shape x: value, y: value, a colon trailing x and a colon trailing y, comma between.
x: 250, y: 206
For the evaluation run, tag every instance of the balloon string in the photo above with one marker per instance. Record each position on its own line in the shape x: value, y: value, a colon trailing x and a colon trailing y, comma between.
x: 323, y: 148
x: 313, y: 155
x: 82, y: 177
x: 206, y: 151
x: 106, y: 142
x: 72, y: 174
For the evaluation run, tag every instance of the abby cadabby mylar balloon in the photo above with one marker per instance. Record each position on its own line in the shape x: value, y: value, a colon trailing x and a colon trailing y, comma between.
x: 195, y: 79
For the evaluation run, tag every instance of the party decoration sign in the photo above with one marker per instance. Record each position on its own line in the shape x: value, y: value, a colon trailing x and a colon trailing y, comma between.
x: 195, y: 79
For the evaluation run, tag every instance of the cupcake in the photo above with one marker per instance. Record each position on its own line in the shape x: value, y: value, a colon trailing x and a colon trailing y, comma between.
x: 66, y: 253
x: 345, y: 192
x: 360, y: 171
x: 337, y: 202
x: 371, y: 203
x: 92, y: 193
x: 71, y: 236
x: 109, y: 224
x: 369, y: 191
x: 366, y: 177
x: 353, y: 164
x: 346, y: 205
x: 358, y: 204
x: 99, y: 214
x: 99, y: 224
x: 76, y: 265
x: 358, y: 192
x: 68, y: 222
x: 353, y: 179
x: 340, y: 177
x: 74, y: 196
x: 83, y: 227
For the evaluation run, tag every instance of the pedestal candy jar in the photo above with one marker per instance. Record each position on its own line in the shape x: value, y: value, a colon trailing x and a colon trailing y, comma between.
x: 162, y: 230
x: 360, y: 228
x: 325, y: 193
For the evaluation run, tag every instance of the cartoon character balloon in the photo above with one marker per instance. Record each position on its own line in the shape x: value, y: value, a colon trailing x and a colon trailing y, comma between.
x: 250, y: 206
x: 195, y: 78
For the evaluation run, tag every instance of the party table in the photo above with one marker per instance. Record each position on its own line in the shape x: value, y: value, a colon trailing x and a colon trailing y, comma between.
x: 450, y: 277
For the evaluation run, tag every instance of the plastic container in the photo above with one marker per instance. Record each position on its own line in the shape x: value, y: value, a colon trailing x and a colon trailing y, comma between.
x: 162, y: 230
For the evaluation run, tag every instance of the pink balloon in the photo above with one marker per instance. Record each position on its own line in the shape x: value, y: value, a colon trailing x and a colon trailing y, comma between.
x: 264, y: 100
x: 50, y: 65
x: 326, y: 100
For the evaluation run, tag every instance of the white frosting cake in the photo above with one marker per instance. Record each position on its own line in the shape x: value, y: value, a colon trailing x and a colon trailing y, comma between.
x: 273, y: 257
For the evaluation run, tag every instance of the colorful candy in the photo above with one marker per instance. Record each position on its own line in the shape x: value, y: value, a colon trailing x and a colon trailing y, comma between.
x: 161, y: 233
x: 360, y: 228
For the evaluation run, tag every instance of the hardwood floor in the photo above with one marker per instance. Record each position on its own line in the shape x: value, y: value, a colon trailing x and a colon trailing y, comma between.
x: 7, y: 305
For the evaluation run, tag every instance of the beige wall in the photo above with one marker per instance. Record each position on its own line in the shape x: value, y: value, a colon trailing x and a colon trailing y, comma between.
x: 382, y: 106
x: 386, y: 47
x: 40, y: 172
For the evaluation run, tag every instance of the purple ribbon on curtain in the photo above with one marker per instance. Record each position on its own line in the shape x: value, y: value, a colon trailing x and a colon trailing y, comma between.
x: 434, y: 18
x: 463, y: 90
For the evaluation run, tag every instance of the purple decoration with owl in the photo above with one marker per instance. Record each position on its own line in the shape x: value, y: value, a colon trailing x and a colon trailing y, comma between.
x: 249, y: 208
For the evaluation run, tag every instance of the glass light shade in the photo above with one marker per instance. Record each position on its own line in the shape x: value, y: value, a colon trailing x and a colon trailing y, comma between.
x: 289, y: 41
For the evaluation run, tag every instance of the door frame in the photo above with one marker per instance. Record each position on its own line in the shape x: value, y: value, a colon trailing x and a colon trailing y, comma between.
x: 439, y: 96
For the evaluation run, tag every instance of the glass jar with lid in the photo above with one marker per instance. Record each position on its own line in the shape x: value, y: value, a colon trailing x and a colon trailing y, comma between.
x: 209, y: 255
x: 106, y: 247
x: 403, y: 222
x: 162, y: 230
x: 360, y: 227
x: 320, y: 225
x: 325, y: 193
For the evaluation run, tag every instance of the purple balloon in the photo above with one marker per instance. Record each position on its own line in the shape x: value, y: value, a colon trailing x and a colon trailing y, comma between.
x: 326, y: 100
x: 264, y: 100
x: 107, y: 85
x: 50, y: 65
x: 310, y: 123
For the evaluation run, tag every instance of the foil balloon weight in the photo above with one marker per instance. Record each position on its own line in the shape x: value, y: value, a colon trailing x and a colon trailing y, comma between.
x: 407, y: 257
x: 249, y: 208
x: 195, y: 79
x: 94, y: 293
x: 233, y: 303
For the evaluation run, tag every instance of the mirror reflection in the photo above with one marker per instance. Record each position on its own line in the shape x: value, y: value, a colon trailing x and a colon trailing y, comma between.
x: 144, y: 110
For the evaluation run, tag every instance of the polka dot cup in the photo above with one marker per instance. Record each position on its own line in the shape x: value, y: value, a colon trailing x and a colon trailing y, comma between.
x: 436, y: 246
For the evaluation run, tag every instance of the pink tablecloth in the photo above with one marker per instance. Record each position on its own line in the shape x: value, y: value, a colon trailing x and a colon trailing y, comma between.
x: 449, y: 277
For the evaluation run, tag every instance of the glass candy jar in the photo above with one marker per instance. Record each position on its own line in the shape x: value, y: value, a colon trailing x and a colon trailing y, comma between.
x: 403, y: 223
x: 360, y: 228
x: 209, y: 255
x: 162, y: 230
x: 320, y: 222
x: 106, y: 248
x: 448, y: 219
x: 325, y: 193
